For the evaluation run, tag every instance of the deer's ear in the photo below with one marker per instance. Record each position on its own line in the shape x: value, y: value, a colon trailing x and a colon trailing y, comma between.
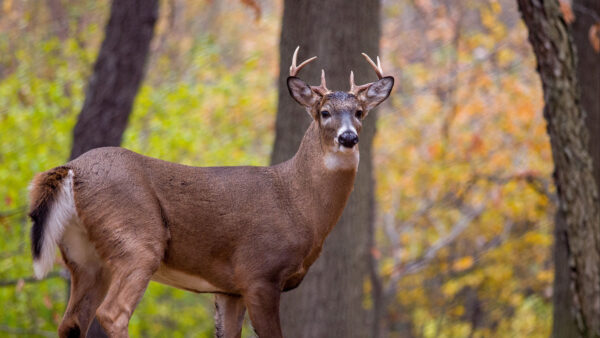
x: 301, y: 92
x: 376, y: 93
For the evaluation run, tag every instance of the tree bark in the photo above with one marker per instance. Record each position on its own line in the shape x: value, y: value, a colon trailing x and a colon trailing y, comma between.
x: 117, y: 75
x: 563, y: 324
x: 329, y: 302
x: 588, y: 76
x: 587, y: 13
x: 573, y: 175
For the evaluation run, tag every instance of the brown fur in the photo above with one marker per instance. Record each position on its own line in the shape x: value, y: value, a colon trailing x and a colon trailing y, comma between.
x: 229, y: 316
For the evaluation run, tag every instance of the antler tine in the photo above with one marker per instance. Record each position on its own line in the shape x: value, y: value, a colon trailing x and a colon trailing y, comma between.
x: 353, y: 87
x: 295, y: 69
x: 376, y: 67
x: 378, y: 70
x: 321, y: 89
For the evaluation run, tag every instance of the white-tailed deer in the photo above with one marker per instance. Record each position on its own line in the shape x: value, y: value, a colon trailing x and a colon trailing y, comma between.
x: 245, y: 234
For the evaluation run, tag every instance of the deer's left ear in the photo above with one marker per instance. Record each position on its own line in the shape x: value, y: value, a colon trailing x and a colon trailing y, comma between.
x: 301, y: 92
x: 376, y: 93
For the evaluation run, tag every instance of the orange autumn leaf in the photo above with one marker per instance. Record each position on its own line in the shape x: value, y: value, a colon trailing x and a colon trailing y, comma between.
x: 476, y: 144
x: 463, y: 263
x: 594, y: 36
x: 567, y: 11
x: 255, y: 6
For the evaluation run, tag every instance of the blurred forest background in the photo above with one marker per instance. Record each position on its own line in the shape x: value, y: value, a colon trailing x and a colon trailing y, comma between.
x: 464, y: 197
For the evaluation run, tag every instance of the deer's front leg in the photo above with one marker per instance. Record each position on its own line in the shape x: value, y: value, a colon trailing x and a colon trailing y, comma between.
x: 262, y: 301
x: 229, y: 316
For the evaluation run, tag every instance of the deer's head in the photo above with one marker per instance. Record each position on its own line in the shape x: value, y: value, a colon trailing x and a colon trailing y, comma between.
x: 339, y: 114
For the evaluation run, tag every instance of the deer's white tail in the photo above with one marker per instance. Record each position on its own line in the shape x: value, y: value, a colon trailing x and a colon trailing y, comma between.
x: 52, y: 209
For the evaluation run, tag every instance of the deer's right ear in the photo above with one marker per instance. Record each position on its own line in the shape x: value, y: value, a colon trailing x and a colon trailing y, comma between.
x: 301, y: 92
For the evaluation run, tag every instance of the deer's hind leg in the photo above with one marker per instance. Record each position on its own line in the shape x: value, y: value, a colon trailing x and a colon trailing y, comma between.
x: 89, y: 282
x: 128, y: 282
x: 130, y: 236
x: 87, y: 292
x: 132, y: 250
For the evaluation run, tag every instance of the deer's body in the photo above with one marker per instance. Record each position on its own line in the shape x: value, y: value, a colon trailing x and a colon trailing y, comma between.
x: 201, y: 214
x: 246, y: 234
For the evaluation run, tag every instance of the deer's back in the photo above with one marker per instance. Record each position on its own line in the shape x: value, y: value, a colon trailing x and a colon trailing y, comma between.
x: 207, y: 211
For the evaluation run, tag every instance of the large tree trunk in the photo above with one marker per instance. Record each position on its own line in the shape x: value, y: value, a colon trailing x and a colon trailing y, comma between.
x: 563, y: 324
x: 329, y: 302
x: 117, y: 75
x: 573, y: 176
x: 588, y: 76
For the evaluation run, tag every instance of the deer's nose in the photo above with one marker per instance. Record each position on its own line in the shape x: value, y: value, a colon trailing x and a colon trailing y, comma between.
x: 348, y: 139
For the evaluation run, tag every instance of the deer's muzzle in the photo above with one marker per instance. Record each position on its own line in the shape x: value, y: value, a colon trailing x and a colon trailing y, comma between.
x: 348, y: 139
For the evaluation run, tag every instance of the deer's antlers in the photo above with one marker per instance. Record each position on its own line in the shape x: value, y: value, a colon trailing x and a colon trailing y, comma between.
x: 321, y: 89
x: 295, y: 69
x: 354, y: 89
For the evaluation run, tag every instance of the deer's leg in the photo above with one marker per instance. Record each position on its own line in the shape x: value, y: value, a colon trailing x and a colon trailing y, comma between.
x: 131, y: 247
x: 88, y: 288
x: 131, y: 262
x: 262, y: 301
x: 229, y: 316
x: 129, y: 279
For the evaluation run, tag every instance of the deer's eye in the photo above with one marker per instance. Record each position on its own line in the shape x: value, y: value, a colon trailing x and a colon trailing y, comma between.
x: 358, y: 114
x: 325, y: 114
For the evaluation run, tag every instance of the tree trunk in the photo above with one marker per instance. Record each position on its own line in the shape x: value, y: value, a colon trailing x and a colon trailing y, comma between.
x: 588, y: 76
x: 563, y: 324
x: 117, y: 75
x: 115, y: 81
x: 573, y: 176
x: 329, y: 302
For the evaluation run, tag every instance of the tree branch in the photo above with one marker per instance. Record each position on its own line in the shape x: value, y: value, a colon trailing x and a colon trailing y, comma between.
x: 14, y: 282
x: 468, y: 215
x: 537, y: 182
x: 13, y: 212
x: 23, y: 331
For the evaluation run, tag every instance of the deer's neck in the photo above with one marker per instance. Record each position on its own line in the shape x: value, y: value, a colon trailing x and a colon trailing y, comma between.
x: 319, y: 183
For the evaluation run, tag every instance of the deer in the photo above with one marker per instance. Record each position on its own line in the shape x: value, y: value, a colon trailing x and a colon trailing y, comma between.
x: 245, y: 234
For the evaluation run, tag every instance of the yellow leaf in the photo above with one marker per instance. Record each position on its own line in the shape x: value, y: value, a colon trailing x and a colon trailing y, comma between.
x: 496, y: 7
x: 463, y: 263
x: 545, y: 276
x: 505, y: 56
x: 7, y: 6
x: 387, y: 267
